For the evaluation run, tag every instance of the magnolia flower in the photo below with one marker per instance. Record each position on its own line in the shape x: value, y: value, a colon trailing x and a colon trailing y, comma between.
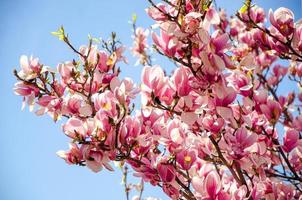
x: 257, y: 14
x: 240, y: 142
x: 95, y: 159
x: 212, y: 18
x: 152, y: 79
x: 130, y: 130
x: 166, y: 172
x: 212, y: 124
x: 156, y: 14
x: 73, y: 156
x: 75, y: 128
x: 91, y: 53
x: 191, y: 22
x: 223, y: 95
x: 212, y: 62
x: 283, y: 20
x: 297, y: 39
x: 186, y: 159
x: 140, y: 41
x: 66, y: 69
x: 29, y: 93
x: 291, y: 139
x: 298, y: 69
x: 24, y: 90
x: 180, y: 79
x: 30, y: 68
x: 208, y: 186
x: 272, y: 110
x: 207, y: 130
x: 106, y: 102
x: 166, y: 43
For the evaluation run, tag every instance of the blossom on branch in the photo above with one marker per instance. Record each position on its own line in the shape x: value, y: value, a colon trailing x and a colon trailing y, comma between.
x: 217, y: 127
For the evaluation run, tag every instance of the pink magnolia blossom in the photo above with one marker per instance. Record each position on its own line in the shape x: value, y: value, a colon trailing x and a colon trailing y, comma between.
x: 140, y: 43
x: 298, y: 69
x: 152, y: 84
x: 283, y: 20
x: 166, y: 43
x: 130, y: 130
x: 157, y: 14
x: 220, y: 125
x: 29, y: 67
x: 181, y: 81
x: 75, y: 129
x: 297, y: 42
x: 260, y: 96
x: 212, y: 62
x: 295, y: 158
x: 272, y: 110
x: 66, y: 70
x: 167, y: 93
x: 212, y: 124
x: 219, y: 43
x: 50, y: 104
x: 124, y: 90
x: 291, y: 139
x: 240, y: 142
x: 209, y: 186
x: 92, y: 54
x: 212, y: 184
x: 106, y: 102
x: 104, y: 125
x: 186, y: 159
x: 240, y: 81
x: 73, y: 156
x: 166, y: 172
x: 191, y: 22
x: 95, y: 159
x: 212, y: 17
x: 28, y: 92
x: 119, y: 53
x: 258, y: 14
x: 171, y: 191
x: 224, y: 95
x: 103, y: 59
x: 23, y: 89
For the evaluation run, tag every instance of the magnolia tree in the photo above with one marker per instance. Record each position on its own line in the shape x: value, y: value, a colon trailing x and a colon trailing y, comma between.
x: 215, y: 128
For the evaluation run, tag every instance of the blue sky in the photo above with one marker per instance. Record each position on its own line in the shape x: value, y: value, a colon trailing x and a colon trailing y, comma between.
x: 29, y: 168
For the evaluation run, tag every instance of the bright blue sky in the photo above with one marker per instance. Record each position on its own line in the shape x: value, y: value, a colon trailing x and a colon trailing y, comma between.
x: 29, y: 168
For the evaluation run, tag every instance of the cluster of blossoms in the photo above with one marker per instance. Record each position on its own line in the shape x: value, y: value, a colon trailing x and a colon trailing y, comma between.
x: 215, y: 128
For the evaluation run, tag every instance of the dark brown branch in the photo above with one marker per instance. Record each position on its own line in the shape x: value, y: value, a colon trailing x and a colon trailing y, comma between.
x: 224, y: 161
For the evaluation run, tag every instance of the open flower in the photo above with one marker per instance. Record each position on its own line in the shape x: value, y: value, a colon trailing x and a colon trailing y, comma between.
x: 29, y: 67
x: 75, y: 128
x: 153, y: 80
x: 166, y: 43
x: 181, y: 81
x: 290, y: 139
x: 73, y: 156
x: 212, y: 124
x: 283, y: 20
x: 140, y: 42
x: 272, y: 110
x: 95, y: 159
x: 191, y: 22
x: 240, y: 142
x: 166, y: 172
x: 186, y: 159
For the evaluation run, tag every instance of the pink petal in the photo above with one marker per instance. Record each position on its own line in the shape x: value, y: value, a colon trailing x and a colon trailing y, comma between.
x: 212, y: 184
